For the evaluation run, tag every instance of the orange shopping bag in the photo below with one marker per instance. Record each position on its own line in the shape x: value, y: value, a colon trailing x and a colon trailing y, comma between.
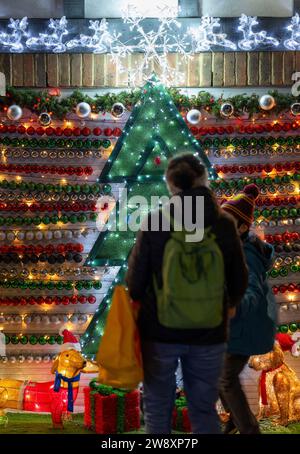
x: 119, y: 355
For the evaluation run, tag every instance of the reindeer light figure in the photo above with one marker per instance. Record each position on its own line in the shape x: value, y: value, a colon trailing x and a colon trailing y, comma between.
x: 204, y: 37
x: 252, y: 39
x: 100, y: 42
x: 53, y: 41
x: 13, y: 39
x: 293, y: 43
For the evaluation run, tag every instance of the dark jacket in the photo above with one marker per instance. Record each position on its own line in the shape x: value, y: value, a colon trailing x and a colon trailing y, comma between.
x: 146, y: 260
x: 252, y: 330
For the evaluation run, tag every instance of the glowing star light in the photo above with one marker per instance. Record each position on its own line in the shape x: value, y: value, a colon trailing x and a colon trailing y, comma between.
x: 13, y: 39
x: 53, y: 41
x: 251, y: 40
x: 293, y: 43
x: 204, y: 36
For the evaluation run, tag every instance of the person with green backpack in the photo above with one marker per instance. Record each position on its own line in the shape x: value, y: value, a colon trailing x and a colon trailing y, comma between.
x: 188, y: 283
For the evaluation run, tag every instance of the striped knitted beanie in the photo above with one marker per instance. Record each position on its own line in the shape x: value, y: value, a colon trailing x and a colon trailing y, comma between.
x: 242, y: 205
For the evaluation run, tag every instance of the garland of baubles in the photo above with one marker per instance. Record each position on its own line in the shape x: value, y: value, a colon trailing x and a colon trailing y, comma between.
x: 45, y: 319
x: 39, y: 235
x: 27, y: 358
x: 55, y: 188
x: 240, y: 183
x: 58, y: 131
x: 48, y: 207
x: 46, y: 220
x: 43, y: 273
x: 47, y: 300
x: 54, y: 143
x: 275, y: 213
x: 50, y: 285
x: 277, y: 223
x: 286, y: 288
x: 237, y: 152
x: 53, y: 154
x: 285, y: 238
x: 273, y: 201
x: 278, y: 167
x: 52, y: 170
x: 259, y: 142
x: 33, y: 339
x: 256, y: 128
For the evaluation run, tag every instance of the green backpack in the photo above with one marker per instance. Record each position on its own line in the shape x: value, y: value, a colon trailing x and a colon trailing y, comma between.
x: 192, y: 294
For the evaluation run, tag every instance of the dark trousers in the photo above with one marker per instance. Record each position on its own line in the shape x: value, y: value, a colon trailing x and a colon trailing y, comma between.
x: 233, y: 397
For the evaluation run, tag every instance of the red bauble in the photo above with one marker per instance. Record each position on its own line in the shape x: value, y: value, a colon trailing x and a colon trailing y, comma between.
x: 88, y: 170
x: 77, y: 131
x: 157, y: 160
x: 108, y: 132
x: 117, y: 132
x: 277, y: 127
x: 194, y: 130
x: 58, y: 131
x: 79, y: 171
x: 85, y: 131
x: 50, y: 131
x: 12, y: 129
x: 229, y: 129
x: 65, y: 300
x: 40, y: 130
x: 221, y: 130
x: 91, y: 299
x: 268, y: 168
x: 21, y: 129
x: 30, y: 130
x: 97, y: 131
x: 287, y: 127
x: 82, y: 299
x: 68, y: 132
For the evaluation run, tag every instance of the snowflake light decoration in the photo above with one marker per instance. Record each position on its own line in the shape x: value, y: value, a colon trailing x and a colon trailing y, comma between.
x: 155, y: 45
x: 13, y: 39
x: 251, y: 39
x: 293, y: 43
x: 53, y: 41
x: 204, y: 36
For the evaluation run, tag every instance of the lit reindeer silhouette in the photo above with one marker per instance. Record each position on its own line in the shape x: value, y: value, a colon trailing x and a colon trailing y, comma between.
x: 100, y: 41
x: 13, y: 39
x: 54, y: 40
x: 251, y: 39
x: 293, y: 43
x: 204, y: 37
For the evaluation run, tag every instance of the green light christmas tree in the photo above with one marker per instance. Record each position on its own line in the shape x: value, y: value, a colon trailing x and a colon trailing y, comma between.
x: 154, y: 132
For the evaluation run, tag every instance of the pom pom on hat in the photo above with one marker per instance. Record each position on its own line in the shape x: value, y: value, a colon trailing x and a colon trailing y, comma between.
x: 285, y: 341
x: 70, y: 341
x: 251, y: 190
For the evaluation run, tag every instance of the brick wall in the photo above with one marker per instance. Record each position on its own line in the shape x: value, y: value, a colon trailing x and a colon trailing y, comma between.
x: 228, y: 69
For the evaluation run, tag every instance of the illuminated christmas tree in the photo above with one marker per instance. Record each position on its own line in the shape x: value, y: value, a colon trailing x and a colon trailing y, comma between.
x: 155, y: 131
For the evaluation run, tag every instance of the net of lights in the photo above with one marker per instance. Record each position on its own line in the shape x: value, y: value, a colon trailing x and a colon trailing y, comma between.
x: 154, y: 44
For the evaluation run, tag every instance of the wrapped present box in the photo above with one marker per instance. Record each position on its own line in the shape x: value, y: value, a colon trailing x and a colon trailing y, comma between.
x: 181, y: 421
x: 108, y: 410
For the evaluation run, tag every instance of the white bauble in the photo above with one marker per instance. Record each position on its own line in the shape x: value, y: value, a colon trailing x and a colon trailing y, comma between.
x: 45, y: 119
x: 83, y: 110
x: 64, y: 318
x: 29, y: 235
x: 4, y: 359
x: 18, y: 319
x: 29, y: 359
x: 46, y: 319
x: 54, y: 319
x: 193, y: 116
x: 13, y: 359
x: 118, y: 109
x: 10, y: 236
x: 14, y: 112
x: 48, y: 235
x: 37, y: 319
x: 267, y: 102
x: 28, y: 319
x: 284, y: 308
x: 21, y: 358
x: 57, y: 234
x: 46, y: 359
x: 74, y: 319
x: 9, y: 319
x: 76, y: 233
x: 2, y: 319
x: 21, y: 236
x: 38, y: 359
x: 2, y: 236
x: 39, y: 235
x: 68, y: 234
x: 82, y: 319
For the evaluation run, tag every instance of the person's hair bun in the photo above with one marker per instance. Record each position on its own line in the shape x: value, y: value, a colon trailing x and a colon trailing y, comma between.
x: 251, y: 190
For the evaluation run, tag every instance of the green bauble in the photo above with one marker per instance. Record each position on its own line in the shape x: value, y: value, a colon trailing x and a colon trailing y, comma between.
x: 76, y: 188
x: 31, y: 186
x: 266, y: 213
x: 88, y: 143
x: 50, y: 285
x: 40, y: 187
x: 95, y: 188
x: 69, y: 285
x: 82, y: 217
x: 293, y: 327
x: 9, y: 220
x: 37, y: 220
x: 294, y: 268
x: 88, y: 285
x: 54, y: 219
x: 93, y: 217
x: 68, y: 188
x: 284, y: 212
x: 78, y: 285
x: 2, y: 220
x: 64, y: 219
x: 19, y: 220
x: 51, y: 340
x: 259, y: 181
x: 293, y: 212
x: 59, y: 340
x: 106, y: 143
x: 79, y: 143
x: 268, y: 180
x: 46, y: 220
x: 73, y: 218
x: 283, y: 328
x: 7, y: 339
x: 23, y: 340
x: 274, y: 273
x: 85, y: 188
x: 97, y: 285
x: 283, y: 271
x: 59, y: 285
x: 14, y: 339
x: 277, y: 179
x: 33, y: 340
x: 42, y: 340
x: 275, y: 213
x: 49, y: 187
x: 12, y: 185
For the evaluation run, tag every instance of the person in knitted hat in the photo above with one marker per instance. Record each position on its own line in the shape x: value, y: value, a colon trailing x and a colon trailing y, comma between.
x: 252, y: 330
